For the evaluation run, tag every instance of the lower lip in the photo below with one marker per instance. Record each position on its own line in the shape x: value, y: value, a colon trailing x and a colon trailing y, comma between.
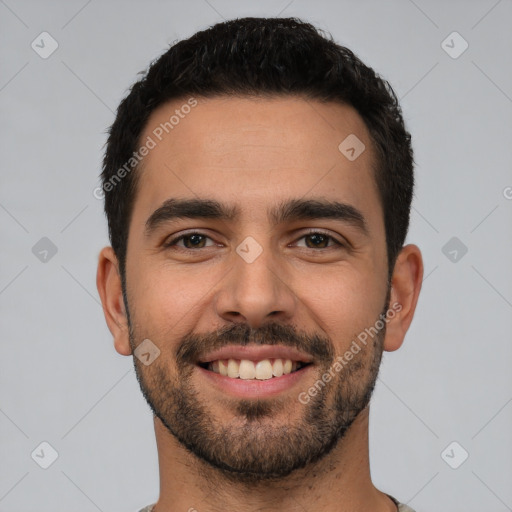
x: 255, y: 388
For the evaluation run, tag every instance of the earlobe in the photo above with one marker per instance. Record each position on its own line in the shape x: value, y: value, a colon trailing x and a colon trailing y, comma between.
x: 108, y: 282
x: 405, y: 289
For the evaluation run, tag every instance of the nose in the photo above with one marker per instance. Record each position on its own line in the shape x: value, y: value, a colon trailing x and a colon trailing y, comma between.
x: 256, y: 291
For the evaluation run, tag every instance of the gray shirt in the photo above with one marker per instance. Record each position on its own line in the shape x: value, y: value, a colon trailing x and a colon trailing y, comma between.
x: 401, y: 506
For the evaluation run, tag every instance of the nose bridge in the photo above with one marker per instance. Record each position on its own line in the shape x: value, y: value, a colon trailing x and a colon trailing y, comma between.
x: 254, y: 289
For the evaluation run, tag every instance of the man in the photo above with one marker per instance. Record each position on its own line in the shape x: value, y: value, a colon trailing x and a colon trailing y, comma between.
x: 258, y: 182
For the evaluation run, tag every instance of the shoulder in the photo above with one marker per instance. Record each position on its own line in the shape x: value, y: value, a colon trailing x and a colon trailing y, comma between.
x: 401, y: 507
x: 404, y: 508
x: 149, y: 508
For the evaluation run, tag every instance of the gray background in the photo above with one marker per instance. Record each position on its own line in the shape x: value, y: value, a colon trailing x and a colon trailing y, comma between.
x: 62, y: 381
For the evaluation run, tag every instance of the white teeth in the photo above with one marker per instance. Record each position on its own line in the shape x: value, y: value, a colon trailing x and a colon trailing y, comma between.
x: 233, y: 369
x: 264, y: 370
x: 250, y: 370
x: 247, y: 369
x: 277, y: 368
x: 223, y: 368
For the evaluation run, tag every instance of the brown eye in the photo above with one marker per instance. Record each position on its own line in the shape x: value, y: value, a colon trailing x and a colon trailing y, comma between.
x: 320, y: 240
x: 191, y: 241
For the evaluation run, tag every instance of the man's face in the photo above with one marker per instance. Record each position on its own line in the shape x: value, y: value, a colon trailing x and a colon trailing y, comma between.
x: 257, y: 281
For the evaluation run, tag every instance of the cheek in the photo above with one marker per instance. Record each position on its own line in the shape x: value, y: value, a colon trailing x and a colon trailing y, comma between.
x: 166, y: 299
x: 345, y: 306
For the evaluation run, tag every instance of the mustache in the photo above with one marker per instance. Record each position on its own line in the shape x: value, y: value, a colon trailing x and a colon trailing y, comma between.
x: 194, y: 345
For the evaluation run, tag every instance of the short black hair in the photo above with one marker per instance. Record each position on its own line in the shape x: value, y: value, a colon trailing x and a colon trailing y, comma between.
x: 269, y: 57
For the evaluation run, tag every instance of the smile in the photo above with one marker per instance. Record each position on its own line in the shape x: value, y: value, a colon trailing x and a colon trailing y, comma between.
x: 246, y: 369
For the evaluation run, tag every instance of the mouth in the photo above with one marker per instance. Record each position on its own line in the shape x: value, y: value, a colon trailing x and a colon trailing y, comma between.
x: 246, y: 369
x: 255, y: 371
x: 258, y: 379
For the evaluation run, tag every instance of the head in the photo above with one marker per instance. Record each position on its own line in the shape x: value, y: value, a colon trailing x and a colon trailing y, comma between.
x: 257, y: 134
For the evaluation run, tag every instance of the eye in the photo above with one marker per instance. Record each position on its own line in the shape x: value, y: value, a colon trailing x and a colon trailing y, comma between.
x: 319, y: 239
x: 192, y: 240
x: 196, y: 240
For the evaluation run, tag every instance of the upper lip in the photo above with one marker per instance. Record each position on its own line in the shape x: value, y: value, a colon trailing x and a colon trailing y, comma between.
x: 256, y: 353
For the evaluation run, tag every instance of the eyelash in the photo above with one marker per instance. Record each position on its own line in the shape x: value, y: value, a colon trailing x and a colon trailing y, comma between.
x: 174, y: 241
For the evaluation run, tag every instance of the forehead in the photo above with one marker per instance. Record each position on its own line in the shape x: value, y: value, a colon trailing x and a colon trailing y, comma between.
x: 252, y: 152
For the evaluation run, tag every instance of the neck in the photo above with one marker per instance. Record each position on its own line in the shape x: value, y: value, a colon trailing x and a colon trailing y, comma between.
x: 340, y: 482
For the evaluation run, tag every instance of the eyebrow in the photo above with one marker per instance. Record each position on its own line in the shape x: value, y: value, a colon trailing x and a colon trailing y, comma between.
x: 293, y: 209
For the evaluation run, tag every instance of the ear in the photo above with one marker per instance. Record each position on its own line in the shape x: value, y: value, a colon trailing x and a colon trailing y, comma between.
x: 405, y: 289
x: 108, y: 282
